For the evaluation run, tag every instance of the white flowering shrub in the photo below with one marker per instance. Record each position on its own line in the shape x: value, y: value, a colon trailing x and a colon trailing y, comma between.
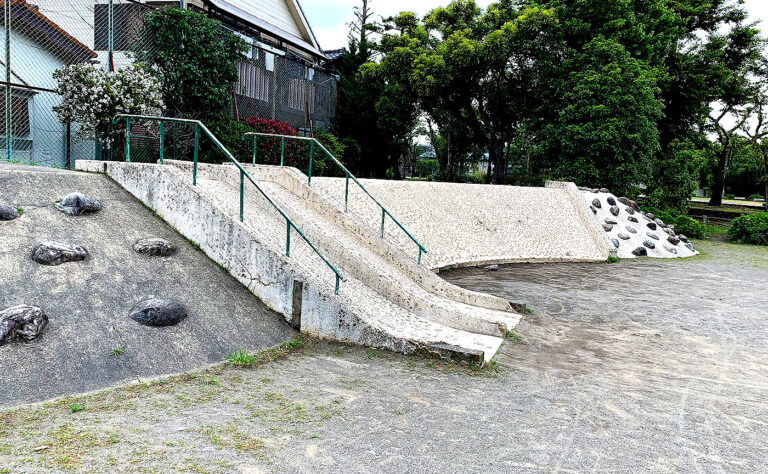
x: 92, y: 97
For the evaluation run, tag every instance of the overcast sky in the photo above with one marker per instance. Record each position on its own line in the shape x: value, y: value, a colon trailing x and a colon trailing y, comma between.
x: 329, y: 18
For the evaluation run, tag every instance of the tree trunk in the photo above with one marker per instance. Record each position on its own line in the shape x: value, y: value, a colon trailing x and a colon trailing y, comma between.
x: 498, y: 158
x: 718, y: 179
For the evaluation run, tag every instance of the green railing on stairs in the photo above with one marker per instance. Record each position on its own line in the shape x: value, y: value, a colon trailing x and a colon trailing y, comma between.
x: 200, y: 127
x: 313, y: 142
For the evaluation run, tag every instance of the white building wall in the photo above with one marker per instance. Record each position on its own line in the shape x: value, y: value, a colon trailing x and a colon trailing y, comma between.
x: 276, y: 12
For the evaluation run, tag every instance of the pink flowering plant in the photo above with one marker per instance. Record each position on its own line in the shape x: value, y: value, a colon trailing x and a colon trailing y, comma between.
x: 92, y: 97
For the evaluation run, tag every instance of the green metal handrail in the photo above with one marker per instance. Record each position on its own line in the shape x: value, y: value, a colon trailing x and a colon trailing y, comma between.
x: 199, y: 126
x: 314, y: 141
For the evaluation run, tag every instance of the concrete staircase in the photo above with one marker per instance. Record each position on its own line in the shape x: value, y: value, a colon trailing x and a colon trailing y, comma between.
x: 388, y: 300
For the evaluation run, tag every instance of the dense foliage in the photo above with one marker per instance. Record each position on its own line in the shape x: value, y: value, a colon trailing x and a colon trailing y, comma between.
x: 616, y: 94
x: 750, y: 229
x: 196, y: 58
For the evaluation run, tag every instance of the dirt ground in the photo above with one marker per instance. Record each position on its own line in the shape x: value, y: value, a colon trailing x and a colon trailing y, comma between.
x: 636, y: 366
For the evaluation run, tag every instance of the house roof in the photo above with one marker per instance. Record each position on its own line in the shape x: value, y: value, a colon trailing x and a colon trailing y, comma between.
x: 311, y: 46
x: 44, y: 29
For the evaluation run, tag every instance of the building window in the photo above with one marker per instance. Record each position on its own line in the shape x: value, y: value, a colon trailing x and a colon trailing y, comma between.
x: 128, y: 22
x: 19, y: 116
x: 253, y: 81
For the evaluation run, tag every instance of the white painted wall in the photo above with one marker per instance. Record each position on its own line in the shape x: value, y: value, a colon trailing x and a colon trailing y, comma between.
x: 276, y: 12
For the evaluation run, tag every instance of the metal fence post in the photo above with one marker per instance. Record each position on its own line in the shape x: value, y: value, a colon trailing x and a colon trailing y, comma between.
x: 197, y: 145
x: 8, y: 92
x: 242, y: 194
x: 255, y: 147
x: 311, y: 152
x: 346, y: 195
x: 162, y: 141
x: 127, y: 140
x: 383, y: 216
x: 282, y: 152
x: 287, y: 238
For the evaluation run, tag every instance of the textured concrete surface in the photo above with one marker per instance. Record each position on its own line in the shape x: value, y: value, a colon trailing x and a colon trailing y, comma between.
x: 605, y: 380
x: 89, y: 302
x: 463, y: 224
x: 254, y: 252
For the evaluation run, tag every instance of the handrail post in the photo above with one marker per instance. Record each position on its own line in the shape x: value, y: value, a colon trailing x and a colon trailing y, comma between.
x: 282, y: 152
x: 311, y: 152
x: 337, y: 283
x: 242, y: 193
x: 162, y: 141
x: 255, y: 147
x: 197, y: 143
x: 287, y: 238
x: 383, y: 215
x: 419, y: 255
x: 128, y: 140
x: 346, y: 194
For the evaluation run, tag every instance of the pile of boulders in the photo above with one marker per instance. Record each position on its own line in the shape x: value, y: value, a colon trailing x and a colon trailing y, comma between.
x: 634, y: 232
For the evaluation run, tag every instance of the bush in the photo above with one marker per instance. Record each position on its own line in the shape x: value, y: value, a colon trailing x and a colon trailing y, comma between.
x: 683, y: 224
x: 729, y: 196
x: 427, y: 168
x: 296, y: 151
x: 750, y: 229
x: 755, y: 196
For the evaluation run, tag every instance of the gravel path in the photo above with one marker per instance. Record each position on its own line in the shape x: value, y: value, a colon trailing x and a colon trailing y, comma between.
x: 600, y: 382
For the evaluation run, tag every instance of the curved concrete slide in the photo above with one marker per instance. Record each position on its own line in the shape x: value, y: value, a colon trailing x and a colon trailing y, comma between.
x: 369, y: 309
x: 89, y: 302
x: 477, y: 224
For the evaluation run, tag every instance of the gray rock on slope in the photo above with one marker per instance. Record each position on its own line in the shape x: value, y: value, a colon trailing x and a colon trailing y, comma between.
x: 8, y: 213
x: 56, y: 253
x: 158, y: 312
x: 23, y: 321
x: 75, y: 204
x: 154, y: 247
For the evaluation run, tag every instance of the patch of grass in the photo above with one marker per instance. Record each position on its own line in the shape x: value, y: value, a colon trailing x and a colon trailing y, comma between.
x: 528, y: 310
x: 514, y: 337
x: 20, y: 210
x: 76, y: 407
x: 241, y: 358
x: 373, y: 353
x: 118, y: 351
x: 613, y: 259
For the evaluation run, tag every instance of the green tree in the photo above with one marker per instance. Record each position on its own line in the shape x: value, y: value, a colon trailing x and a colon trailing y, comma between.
x: 605, y: 132
x: 197, y: 60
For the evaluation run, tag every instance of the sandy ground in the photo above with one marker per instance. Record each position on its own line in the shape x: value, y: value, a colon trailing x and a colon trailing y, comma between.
x: 599, y: 382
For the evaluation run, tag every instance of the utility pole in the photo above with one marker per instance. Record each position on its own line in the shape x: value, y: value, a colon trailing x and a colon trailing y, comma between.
x: 8, y: 102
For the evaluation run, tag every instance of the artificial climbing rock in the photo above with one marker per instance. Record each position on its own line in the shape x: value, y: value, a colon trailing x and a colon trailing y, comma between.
x: 8, y: 213
x: 75, y: 204
x: 56, y: 253
x: 25, y: 322
x: 158, y: 312
x: 154, y: 247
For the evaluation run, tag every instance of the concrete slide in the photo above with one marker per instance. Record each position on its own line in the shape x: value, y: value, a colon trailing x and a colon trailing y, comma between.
x: 387, y: 301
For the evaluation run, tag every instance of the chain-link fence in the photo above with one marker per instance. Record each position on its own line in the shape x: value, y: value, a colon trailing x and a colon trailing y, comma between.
x: 44, y: 36
x: 286, y: 89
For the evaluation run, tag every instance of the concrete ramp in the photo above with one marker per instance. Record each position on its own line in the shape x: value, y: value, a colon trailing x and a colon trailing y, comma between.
x: 89, y: 302
x: 388, y: 300
x: 476, y: 224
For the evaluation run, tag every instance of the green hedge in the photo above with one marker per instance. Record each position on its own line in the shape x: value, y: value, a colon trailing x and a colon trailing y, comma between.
x: 683, y: 224
x: 750, y: 229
